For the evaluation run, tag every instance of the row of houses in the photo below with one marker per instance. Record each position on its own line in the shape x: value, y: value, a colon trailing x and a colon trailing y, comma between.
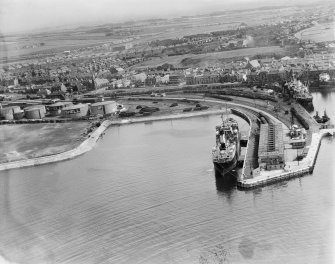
x: 253, y: 70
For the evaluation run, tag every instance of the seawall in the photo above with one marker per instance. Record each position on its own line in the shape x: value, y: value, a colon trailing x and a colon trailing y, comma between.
x: 167, y: 117
x: 292, y: 169
x: 245, y: 117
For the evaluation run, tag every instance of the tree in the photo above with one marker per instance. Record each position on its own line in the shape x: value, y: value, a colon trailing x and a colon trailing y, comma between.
x: 113, y: 70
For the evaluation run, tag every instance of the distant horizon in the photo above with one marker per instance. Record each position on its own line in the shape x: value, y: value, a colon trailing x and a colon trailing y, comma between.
x: 19, y: 16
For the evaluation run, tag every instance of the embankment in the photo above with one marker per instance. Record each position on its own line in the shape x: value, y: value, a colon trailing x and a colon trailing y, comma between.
x: 166, y: 117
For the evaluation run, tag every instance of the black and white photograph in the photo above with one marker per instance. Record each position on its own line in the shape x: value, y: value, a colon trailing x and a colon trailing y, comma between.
x: 167, y: 132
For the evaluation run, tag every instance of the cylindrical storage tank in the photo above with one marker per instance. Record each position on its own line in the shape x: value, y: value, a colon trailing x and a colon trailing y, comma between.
x: 7, y: 113
x: 35, y: 113
x: 103, y: 108
x: 42, y: 107
x: 75, y: 111
x: 19, y: 115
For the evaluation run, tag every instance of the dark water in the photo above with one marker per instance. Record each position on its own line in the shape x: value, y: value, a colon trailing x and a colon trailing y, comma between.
x: 148, y: 194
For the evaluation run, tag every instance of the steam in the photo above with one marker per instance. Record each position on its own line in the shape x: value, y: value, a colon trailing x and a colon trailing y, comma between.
x: 249, y: 42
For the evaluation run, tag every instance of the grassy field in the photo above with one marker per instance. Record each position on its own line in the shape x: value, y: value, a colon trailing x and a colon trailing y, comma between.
x: 18, y: 142
x: 203, y: 60
x: 60, y: 40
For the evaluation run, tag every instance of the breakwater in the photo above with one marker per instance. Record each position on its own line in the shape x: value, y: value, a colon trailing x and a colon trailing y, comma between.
x: 292, y: 169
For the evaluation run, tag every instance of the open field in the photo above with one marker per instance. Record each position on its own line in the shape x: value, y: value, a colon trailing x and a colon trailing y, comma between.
x: 12, y: 49
x: 202, y: 60
x: 318, y: 33
x: 18, y: 142
x: 60, y: 40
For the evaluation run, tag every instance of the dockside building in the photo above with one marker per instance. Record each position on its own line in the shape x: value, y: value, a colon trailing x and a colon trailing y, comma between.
x: 271, y: 147
x: 103, y: 108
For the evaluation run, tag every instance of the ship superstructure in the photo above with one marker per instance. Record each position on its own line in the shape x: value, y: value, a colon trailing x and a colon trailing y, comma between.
x: 300, y: 92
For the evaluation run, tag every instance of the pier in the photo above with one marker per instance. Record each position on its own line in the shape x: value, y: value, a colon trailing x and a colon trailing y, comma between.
x: 249, y: 163
x: 291, y: 169
x: 252, y: 175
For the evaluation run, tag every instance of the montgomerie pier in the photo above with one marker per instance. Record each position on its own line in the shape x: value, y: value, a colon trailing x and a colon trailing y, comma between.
x: 253, y: 174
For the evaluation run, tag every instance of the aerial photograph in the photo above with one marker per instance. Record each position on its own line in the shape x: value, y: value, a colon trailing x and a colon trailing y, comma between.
x: 167, y: 132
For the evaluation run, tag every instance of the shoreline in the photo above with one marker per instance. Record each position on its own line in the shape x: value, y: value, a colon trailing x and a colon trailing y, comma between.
x: 315, y: 32
x: 90, y: 142
x: 165, y: 117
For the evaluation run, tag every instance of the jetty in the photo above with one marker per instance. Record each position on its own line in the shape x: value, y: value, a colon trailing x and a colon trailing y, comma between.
x: 292, y: 169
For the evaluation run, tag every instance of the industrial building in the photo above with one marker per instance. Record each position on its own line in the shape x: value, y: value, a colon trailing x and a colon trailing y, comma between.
x: 271, y: 147
x: 75, y: 111
x: 100, y: 83
x: 103, y: 108
x: 56, y: 109
x: 8, y: 113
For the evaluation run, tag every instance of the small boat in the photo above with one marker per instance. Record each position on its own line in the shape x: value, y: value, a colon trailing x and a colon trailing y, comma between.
x: 325, y: 117
x: 317, y: 117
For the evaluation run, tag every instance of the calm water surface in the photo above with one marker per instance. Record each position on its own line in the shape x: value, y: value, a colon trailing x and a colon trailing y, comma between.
x: 148, y: 194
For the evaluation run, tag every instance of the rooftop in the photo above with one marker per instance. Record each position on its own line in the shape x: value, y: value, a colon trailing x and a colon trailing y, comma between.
x: 103, y: 103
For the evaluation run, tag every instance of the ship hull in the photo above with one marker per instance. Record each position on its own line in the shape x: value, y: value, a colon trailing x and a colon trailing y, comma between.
x: 224, y: 169
x: 330, y: 84
x: 304, y: 100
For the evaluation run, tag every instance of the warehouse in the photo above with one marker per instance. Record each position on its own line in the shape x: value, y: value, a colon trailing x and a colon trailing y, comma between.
x: 75, y: 111
x: 271, y: 147
x: 103, y: 108
x: 7, y: 113
x: 56, y: 109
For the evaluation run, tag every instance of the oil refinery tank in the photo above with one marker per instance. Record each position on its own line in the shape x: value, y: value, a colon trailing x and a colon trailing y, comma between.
x: 35, y: 113
x: 42, y: 107
x: 19, y: 115
x: 103, y: 108
x: 7, y: 113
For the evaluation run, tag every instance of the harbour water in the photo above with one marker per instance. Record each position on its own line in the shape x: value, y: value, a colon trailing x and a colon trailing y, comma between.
x: 147, y: 193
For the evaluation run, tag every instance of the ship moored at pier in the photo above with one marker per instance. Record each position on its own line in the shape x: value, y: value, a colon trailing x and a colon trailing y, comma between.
x: 226, y: 152
x: 300, y: 92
